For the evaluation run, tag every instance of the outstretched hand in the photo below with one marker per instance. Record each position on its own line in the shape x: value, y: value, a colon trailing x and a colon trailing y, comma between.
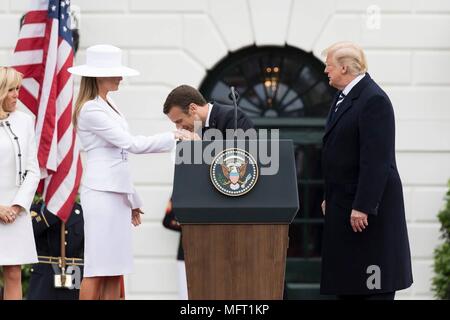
x: 185, y: 135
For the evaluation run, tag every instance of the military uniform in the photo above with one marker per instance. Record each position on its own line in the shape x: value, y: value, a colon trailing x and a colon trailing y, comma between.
x: 47, y: 233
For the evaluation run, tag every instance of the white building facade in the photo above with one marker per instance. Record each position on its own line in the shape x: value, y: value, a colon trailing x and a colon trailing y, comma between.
x: 172, y: 42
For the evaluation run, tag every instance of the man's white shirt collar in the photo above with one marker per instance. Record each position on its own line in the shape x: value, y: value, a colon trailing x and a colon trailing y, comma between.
x: 352, y: 84
x: 210, y: 106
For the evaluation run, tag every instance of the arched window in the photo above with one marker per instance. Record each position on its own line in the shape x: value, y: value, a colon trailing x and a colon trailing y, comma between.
x: 273, y: 82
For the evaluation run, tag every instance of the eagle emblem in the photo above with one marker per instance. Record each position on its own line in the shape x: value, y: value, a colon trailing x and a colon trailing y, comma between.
x: 234, y: 172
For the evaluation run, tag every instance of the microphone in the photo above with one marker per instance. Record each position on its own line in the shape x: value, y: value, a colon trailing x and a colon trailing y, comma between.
x: 234, y: 95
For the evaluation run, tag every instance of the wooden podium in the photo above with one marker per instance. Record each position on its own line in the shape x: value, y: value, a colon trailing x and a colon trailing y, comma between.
x: 235, y: 261
x: 235, y: 247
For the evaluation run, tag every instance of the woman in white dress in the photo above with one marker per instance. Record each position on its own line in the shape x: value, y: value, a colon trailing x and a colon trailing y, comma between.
x: 110, y: 202
x: 19, y: 179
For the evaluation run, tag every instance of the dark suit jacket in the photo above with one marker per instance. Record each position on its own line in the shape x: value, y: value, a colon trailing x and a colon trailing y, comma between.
x: 360, y: 173
x: 221, y: 118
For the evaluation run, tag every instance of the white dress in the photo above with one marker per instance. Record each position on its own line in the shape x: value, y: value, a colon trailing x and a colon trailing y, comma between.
x: 107, y: 192
x: 17, y: 244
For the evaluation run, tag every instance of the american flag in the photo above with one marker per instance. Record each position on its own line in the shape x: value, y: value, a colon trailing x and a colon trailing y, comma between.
x: 43, y: 54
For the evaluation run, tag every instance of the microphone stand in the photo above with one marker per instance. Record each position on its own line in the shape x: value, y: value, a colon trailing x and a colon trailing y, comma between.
x: 233, y: 97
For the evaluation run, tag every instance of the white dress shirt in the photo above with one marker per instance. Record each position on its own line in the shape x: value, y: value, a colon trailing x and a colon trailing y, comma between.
x: 353, y: 83
x: 210, y: 106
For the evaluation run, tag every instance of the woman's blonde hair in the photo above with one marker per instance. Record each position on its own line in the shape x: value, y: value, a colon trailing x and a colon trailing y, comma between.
x: 88, y: 91
x: 348, y: 54
x: 9, y: 79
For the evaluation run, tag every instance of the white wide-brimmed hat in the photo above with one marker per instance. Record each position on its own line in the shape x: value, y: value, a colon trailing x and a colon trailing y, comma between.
x: 103, y: 60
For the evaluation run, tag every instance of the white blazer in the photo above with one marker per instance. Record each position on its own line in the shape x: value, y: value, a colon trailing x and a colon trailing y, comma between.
x: 105, y: 137
x: 20, y: 128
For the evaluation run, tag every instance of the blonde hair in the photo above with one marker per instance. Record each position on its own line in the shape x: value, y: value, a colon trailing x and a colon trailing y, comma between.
x: 88, y: 91
x: 349, y: 54
x: 9, y: 79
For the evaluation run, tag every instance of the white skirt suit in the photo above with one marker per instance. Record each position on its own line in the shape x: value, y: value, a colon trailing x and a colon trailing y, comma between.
x: 107, y: 193
x: 19, y: 179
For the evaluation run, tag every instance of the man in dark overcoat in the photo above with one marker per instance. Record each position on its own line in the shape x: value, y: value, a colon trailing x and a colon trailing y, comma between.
x: 365, y: 253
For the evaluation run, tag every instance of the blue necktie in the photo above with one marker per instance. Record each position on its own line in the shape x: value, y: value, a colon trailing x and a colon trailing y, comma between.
x: 340, y: 99
x: 336, y: 106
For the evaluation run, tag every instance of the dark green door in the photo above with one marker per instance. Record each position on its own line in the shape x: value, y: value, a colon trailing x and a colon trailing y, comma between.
x: 305, y: 232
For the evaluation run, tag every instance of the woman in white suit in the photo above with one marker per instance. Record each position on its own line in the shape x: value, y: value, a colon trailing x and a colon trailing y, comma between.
x: 109, y: 200
x: 19, y: 179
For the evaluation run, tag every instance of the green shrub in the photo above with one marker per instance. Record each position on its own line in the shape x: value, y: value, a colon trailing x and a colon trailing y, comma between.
x: 441, y: 280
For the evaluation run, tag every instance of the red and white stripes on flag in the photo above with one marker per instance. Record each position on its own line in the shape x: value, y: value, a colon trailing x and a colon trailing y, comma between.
x: 43, y: 54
